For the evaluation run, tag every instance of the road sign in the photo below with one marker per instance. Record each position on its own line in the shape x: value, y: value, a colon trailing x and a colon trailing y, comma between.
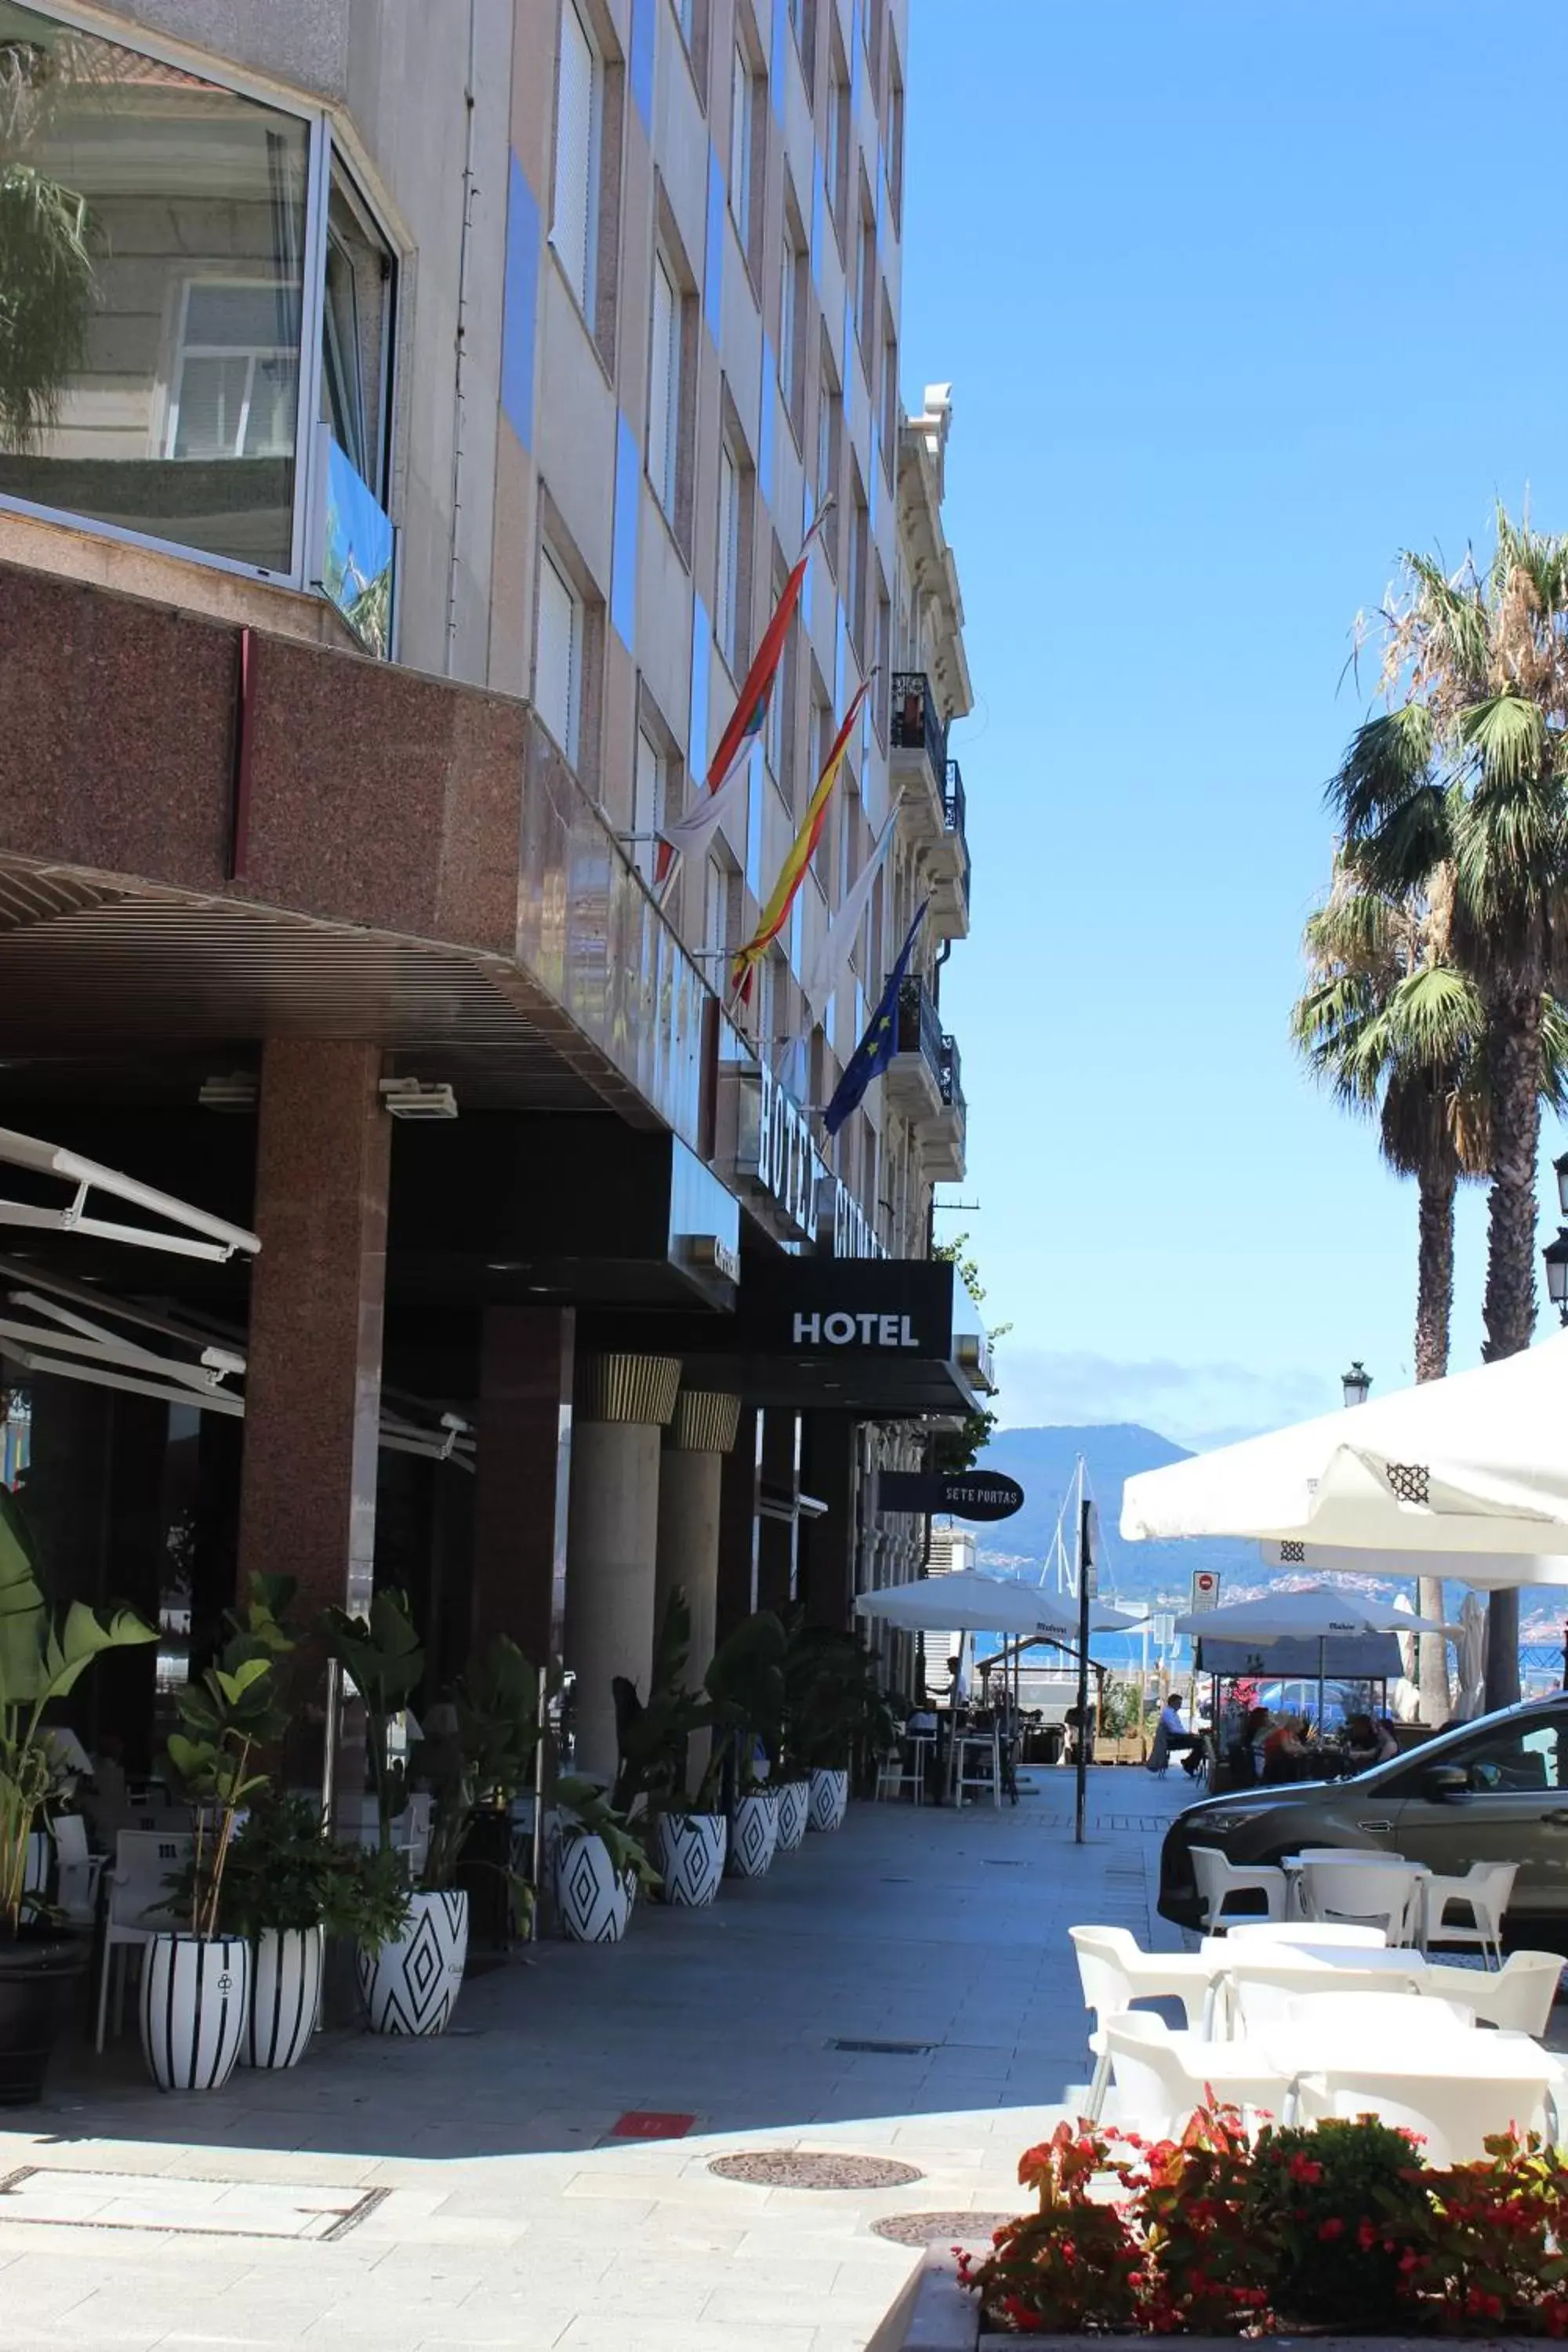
x: 965, y: 1493
x: 1205, y: 1588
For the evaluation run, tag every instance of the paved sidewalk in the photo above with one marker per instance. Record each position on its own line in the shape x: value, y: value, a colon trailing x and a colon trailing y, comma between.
x: 470, y: 2192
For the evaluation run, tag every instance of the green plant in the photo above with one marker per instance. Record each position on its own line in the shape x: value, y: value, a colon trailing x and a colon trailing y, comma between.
x: 47, y: 274
x: 954, y: 1451
x: 1074, y: 2263
x: 384, y: 1659
x: 368, y: 1897
x: 1492, y: 2255
x: 585, y: 1811
x: 41, y: 1660
x: 832, y: 1699
x: 653, y: 1740
x: 486, y: 1754
x: 231, y: 1713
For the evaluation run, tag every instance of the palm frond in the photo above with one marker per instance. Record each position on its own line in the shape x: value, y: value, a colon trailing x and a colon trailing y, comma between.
x: 1387, y: 765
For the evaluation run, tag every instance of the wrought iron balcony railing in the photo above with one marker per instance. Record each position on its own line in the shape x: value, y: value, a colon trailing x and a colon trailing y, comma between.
x: 918, y: 725
x: 953, y: 810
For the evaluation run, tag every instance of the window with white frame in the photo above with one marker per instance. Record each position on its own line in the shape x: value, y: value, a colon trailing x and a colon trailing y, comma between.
x: 648, y: 803
x: 558, y: 655
x: 829, y: 446
x: 802, y: 21
x: 742, y: 138
x: 236, y: 371
x: 727, y: 595
x: 573, y: 228
x: 838, y: 137
x: 664, y: 387
x: 792, y: 316
x: 866, y: 280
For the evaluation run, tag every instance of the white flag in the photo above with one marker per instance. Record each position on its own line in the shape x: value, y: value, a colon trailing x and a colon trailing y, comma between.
x: 691, y: 835
x: 837, y: 942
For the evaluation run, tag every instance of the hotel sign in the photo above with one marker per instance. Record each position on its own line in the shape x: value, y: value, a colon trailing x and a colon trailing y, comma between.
x: 841, y: 1309
x: 774, y: 1150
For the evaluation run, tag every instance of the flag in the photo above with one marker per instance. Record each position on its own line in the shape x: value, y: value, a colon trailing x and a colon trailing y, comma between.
x: 791, y: 874
x: 691, y: 835
x: 877, y: 1047
x: 836, y: 944
x: 752, y: 702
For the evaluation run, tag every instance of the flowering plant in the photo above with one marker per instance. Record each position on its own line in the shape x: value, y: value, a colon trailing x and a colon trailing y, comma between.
x: 1341, y: 2226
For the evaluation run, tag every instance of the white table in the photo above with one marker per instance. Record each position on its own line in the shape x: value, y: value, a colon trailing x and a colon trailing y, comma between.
x: 1457, y: 2053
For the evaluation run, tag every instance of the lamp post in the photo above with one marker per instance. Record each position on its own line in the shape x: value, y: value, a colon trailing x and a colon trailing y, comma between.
x: 1355, y: 1382
x: 1555, y: 1253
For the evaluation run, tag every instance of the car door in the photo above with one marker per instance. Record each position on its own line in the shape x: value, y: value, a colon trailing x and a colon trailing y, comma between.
x: 1516, y: 1808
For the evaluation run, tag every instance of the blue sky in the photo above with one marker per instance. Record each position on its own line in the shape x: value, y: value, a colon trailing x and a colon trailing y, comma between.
x: 1218, y: 285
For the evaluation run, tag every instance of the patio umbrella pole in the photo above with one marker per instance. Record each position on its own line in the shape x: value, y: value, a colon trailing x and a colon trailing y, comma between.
x: 1084, y: 1508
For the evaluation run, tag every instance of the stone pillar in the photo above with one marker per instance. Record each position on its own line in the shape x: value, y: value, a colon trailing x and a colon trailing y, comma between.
x: 312, y: 1389
x: 690, y: 1478
x: 739, y: 1495
x: 623, y: 1403
x: 524, y: 1462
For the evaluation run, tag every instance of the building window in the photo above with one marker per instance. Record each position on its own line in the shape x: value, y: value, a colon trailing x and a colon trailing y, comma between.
x: 838, y: 137
x: 803, y: 24
x: 793, y: 299
x: 663, y: 388
x: 558, y: 656
x: 356, y: 336
x: 648, y: 803
x: 829, y: 444
x: 883, y: 657
x: 574, y: 230
x: 741, y: 142
x: 237, y: 381
x: 866, y: 280
x: 890, y: 391
x: 854, y: 589
x: 894, y: 144
x: 732, y: 595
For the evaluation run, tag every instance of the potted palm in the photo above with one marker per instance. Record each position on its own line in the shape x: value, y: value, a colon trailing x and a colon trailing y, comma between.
x: 195, y: 1980
x: 600, y: 1863
x: 42, y: 1657
x: 479, y: 1761
x: 746, y: 1684
x: 686, y: 1830
x: 832, y: 1702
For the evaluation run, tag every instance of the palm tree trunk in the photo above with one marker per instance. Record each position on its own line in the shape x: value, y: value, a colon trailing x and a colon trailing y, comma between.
x: 1439, y: 1182
x: 1513, y: 1051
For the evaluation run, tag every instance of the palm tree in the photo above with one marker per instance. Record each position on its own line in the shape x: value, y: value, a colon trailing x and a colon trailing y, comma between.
x: 1394, y: 1029
x: 47, y: 274
x: 1466, y: 770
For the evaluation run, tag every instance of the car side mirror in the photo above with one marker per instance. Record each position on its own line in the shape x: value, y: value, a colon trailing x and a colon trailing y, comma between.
x: 1445, y: 1784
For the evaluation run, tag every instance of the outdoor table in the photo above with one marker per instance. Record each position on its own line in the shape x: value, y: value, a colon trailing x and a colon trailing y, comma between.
x: 1457, y: 2053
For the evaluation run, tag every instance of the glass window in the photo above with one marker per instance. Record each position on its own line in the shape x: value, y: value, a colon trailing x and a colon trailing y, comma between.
x: 153, y: 230
x: 663, y: 388
x: 572, y: 230
x: 1527, y: 1754
x: 727, y: 601
x: 741, y: 146
x: 558, y: 661
x: 648, y: 803
x: 356, y: 336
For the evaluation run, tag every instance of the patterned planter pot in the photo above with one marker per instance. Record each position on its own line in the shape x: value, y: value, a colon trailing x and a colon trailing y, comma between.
x: 411, y: 1986
x: 753, y: 1834
x: 195, y: 2000
x: 794, y: 1804
x: 689, y: 1854
x: 829, y: 1799
x: 285, y: 1996
x: 595, y: 1905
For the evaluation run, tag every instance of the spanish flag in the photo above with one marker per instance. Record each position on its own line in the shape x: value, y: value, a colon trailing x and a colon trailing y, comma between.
x: 746, y: 718
x: 776, y: 914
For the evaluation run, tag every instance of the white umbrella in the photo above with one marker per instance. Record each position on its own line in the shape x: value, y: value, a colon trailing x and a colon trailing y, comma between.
x: 1320, y: 1614
x: 967, y: 1603
x: 1472, y: 1660
x: 1471, y: 1464
x: 1508, y: 1568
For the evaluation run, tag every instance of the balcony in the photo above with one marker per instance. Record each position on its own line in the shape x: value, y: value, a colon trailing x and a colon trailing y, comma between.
x: 947, y: 863
x: 943, y: 1137
x: 919, y: 760
x: 914, y: 1074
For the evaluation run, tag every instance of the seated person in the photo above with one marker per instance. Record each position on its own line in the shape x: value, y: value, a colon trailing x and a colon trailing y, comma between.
x: 1288, y: 1752
x: 1172, y: 1735
x: 1244, y: 1757
x: 1368, y: 1743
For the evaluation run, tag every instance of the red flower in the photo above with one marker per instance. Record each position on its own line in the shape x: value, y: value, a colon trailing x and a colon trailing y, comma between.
x: 1302, y: 2169
x: 1366, y: 2237
x: 1331, y: 2229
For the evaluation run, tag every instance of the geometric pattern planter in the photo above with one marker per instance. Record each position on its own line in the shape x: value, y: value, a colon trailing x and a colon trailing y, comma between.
x: 195, y: 2000
x: 285, y: 1996
x: 794, y: 1806
x: 689, y: 1854
x: 829, y: 1799
x: 411, y: 1985
x: 595, y: 1905
x: 753, y: 1834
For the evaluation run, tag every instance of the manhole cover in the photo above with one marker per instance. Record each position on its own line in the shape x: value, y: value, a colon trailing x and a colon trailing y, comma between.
x: 799, y: 2167
x: 940, y: 2228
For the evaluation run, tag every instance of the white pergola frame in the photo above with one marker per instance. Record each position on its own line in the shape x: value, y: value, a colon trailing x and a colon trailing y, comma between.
x: 203, y: 1235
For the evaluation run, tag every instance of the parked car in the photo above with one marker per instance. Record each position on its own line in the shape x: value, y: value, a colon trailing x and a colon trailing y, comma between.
x: 1491, y: 1790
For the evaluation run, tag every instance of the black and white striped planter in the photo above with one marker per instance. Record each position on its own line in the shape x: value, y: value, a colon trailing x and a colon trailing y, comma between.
x: 829, y: 1799
x: 594, y: 1903
x: 753, y: 1834
x: 285, y: 1996
x: 411, y: 1985
x: 689, y: 1854
x: 794, y: 1804
x: 195, y: 2004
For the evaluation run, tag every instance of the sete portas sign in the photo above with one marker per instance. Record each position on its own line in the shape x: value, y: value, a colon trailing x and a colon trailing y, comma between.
x: 961, y: 1494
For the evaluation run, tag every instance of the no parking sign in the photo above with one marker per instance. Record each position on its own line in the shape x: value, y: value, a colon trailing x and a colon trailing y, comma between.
x: 1205, y: 1588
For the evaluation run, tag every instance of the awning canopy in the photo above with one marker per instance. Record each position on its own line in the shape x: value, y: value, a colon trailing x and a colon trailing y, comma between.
x: 1474, y: 1465
x: 967, y: 1603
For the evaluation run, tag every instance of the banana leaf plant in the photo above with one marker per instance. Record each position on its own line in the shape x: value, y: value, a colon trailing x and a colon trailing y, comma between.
x: 383, y: 1658
x: 485, y: 1756
x: 232, y: 1713
x: 42, y: 1657
x: 741, y: 1703
x: 585, y: 1810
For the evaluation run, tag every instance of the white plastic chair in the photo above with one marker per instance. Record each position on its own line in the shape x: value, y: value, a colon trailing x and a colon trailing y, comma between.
x: 1387, y: 1896
x: 78, y: 1870
x: 138, y: 1904
x: 1518, y: 1997
x: 1220, y: 1878
x: 1256, y: 1995
x: 1161, y: 2076
x: 1354, y: 1936
x: 1363, y: 2017
x: 1455, y: 2116
x: 1484, y: 1889
x: 903, y: 1767
x: 1114, y: 1972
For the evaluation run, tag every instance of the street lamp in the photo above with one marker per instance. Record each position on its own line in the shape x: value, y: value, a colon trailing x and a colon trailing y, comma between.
x: 1560, y: 1169
x: 1556, y: 1256
x: 1355, y: 1382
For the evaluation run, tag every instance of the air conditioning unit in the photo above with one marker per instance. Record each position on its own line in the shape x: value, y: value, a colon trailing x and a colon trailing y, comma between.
x: 415, y: 1099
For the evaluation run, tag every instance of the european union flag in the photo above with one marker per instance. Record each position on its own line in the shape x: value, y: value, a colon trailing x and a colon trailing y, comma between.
x: 879, y: 1044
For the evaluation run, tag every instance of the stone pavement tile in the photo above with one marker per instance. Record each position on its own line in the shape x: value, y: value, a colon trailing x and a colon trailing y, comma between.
x: 589, y: 2333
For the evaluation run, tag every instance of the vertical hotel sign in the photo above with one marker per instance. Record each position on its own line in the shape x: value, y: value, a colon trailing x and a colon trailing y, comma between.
x: 774, y: 1150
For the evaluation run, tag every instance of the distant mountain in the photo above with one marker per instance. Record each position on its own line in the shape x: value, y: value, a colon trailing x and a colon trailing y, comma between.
x: 1044, y: 1463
